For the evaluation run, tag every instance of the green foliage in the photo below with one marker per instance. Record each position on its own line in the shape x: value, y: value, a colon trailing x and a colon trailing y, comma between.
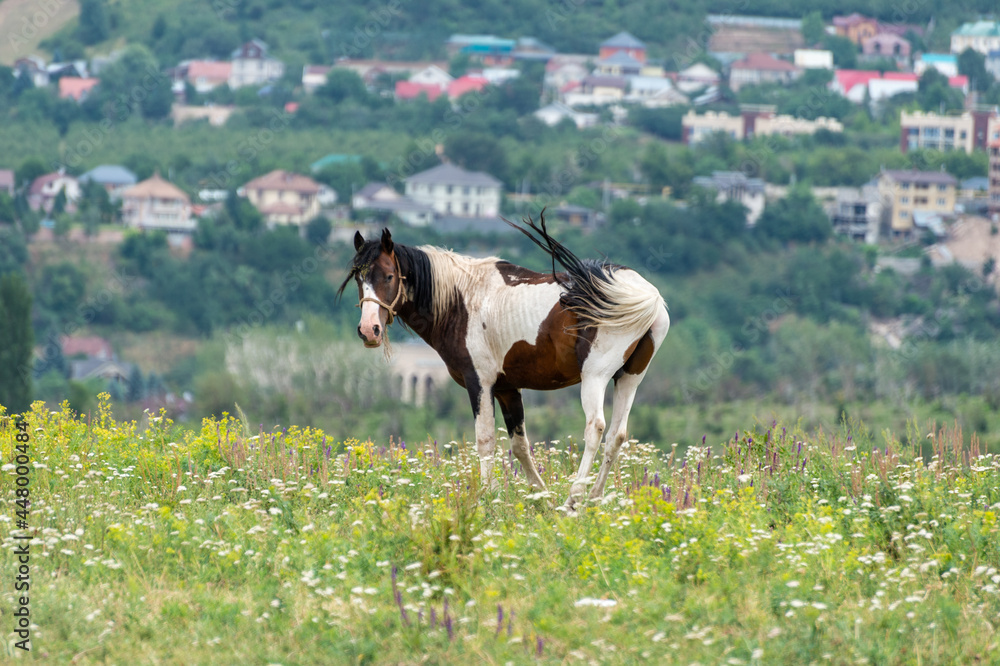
x: 795, y: 218
x: 61, y: 288
x: 93, y: 27
x: 973, y: 65
x: 477, y: 152
x: 664, y: 123
x: 934, y: 93
x: 318, y: 230
x: 16, y: 341
x: 813, y: 27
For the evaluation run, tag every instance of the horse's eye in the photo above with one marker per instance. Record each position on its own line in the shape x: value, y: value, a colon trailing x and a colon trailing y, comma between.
x: 388, y: 278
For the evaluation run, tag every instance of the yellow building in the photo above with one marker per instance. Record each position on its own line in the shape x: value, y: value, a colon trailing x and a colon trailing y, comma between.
x: 287, y: 198
x: 911, y: 195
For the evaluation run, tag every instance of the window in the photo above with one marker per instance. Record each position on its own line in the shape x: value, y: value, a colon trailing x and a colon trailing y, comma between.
x: 904, y: 200
x: 905, y: 186
x: 465, y: 191
x: 449, y: 189
x: 904, y: 214
x: 942, y: 188
x: 941, y: 202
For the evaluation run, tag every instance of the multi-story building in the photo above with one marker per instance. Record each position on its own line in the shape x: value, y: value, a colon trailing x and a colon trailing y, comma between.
x: 966, y: 131
x: 157, y: 204
x: 982, y: 36
x: 909, y: 195
x: 994, y: 175
x: 283, y: 197
x: 754, y: 120
x: 251, y: 66
x: 760, y: 68
x: 856, y: 212
x: 451, y: 190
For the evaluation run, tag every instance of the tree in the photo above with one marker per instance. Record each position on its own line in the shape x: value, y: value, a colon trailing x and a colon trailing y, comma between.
x: 477, y: 152
x: 935, y: 94
x: 343, y: 84
x: 813, y: 28
x: 30, y: 169
x: 318, y: 230
x: 796, y: 218
x: 133, y: 84
x: 93, y: 27
x: 973, y: 64
x: 16, y: 342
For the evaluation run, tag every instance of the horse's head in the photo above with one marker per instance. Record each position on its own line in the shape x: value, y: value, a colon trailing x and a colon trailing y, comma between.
x: 380, y: 285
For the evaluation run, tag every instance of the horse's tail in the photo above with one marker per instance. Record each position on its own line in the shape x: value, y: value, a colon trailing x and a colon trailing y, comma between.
x: 600, y: 293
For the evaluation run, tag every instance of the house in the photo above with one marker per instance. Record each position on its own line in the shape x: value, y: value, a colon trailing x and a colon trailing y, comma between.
x: 314, y: 76
x: 759, y: 68
x: 856, y: 212
x: 856, y: 27
x: 33, y: 67
x: 529, y: 48
x: 432, y: 75
x: 251, y: 66
x: 619, y: 64
x: 380, y: 197
x: 886, y: 45
x: 44, y: 190
x: 912, y: 195
x: 87, y: 346
x: 453, y: 191
x: 945, y: 63
x: 577, y: 216
x: 597, y: 90
x: 112, y: 177
x: 660, y: 99
x: 856, y: 84
x: 982, y: 36
x: 207, y: 75
x: 993, y: 63
x: 624, y: 43
x: 157, y: 204
x: 736, y: 186
x: 487, y: 49
x: 696, y: 77
x: 555, y: 113
x: 95, y: 368
x: 965, y: 131
x: 216, y: 114
x: 813, y: 59
x: 654, y: 92
x: 754, y: 120
x: 994, y: 174
x: 496, y: 76
x: 408, y: 90
x: 560, y: 71
x: 7, y: 182
x: 464, y: 85
x: 75, y: 88
x: 283, y: 197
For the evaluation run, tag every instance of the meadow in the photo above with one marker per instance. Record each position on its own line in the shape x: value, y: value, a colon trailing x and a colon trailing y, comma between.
x: 235, y: 544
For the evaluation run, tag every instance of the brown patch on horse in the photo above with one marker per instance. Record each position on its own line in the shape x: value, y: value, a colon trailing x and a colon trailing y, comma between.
x: 446, y: 336
x: 639, y: 354
x: 514, y: 275
x: 554, y: 361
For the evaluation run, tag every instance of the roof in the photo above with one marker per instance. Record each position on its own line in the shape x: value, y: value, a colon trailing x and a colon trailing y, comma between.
x: 481, y: 40
x: 208, y: 69
x: 764, y: 61
x: 155, y: 188
x: 371, y: 189
x: 466, y: 84
x: 948, y: 58
x: 978, y: 29
x: 721, y: 180
x: 976, y: 183
x: 284, y: 181
x: 923, y: 177
x: 886, y: 38
x: 334, y: 158
x: 620, y: 58
x: 598, y: 81
x: 450, y: 174
x: 623, y: 40
x: 852, y: 19
x: 109, y: 174
x: 319, y: 70
x: 410, y: 90
x: 75, y: 87
x: 259, y: 43
x: 38, y: 184
x: 699, y: 71
x: 6, y: 179
x: 91, y: 345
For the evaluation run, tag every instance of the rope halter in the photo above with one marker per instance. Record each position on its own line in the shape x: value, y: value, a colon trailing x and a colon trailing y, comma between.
x: 390, y: 307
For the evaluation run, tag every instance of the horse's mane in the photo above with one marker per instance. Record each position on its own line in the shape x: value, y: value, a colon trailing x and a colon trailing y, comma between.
x: 414, y: 266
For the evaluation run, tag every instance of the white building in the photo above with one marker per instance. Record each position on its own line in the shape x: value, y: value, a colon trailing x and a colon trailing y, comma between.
x: 813, y: 58
x: 555, y: 113
x: 253, y: 67
x: 451, y: 190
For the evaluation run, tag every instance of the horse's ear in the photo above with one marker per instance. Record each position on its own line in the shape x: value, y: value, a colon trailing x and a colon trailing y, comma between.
x: 386, y: 241
x: 359, y: 241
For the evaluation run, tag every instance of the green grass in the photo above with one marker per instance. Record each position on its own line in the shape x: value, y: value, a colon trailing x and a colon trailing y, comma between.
x: 227, y: 546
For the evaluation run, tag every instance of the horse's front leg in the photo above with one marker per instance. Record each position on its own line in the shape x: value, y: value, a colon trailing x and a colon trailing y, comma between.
x: 481, y: 396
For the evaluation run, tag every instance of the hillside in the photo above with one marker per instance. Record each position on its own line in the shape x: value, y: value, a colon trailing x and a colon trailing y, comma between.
x: 23, y: 25
x: 307, y: 31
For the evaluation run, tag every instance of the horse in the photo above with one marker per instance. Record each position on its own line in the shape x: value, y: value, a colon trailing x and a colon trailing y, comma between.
x: 501, y: 328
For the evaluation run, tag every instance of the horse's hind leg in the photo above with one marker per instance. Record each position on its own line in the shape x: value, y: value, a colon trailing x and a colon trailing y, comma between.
x: 625, y: 388
x: 513, y: 415
x: 592, y: 396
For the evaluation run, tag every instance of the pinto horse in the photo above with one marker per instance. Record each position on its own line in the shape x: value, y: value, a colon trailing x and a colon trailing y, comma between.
x: 501, y: 328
